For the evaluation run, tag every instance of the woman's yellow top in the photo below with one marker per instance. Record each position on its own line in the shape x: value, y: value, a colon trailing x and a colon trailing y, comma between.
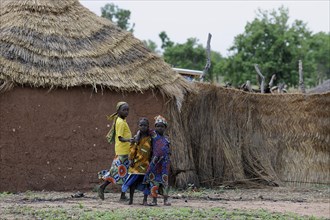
x: 122, y: 130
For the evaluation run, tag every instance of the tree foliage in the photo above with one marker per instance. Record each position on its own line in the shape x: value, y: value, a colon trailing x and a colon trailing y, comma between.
x: 117, y: 15
x: 319, y: 52
x: 189, y: 55
x: 166, y: 42
x: 151, y: 45
x: 273, y: 44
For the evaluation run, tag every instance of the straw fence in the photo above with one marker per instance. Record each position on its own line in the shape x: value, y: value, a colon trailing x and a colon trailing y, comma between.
x: 238, y: 137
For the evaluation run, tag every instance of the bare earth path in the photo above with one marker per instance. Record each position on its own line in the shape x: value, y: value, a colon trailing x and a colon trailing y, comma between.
x: 302, y: 201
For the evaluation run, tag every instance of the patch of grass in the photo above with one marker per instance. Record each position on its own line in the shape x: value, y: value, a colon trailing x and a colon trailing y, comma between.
x: 196, y: 193
x: 79, y: 212
x: 5, y: 194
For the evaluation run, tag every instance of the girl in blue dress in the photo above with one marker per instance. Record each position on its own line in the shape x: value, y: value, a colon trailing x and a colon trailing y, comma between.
x: 157, y: 173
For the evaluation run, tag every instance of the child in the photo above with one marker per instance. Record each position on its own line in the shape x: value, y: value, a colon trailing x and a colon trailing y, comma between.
x: 121, y: 135
x: 158, y: 171
x: 139, y: 158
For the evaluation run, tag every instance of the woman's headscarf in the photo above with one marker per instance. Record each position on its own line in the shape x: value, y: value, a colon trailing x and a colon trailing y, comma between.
x: 113, y: 117
x: 160, y: 119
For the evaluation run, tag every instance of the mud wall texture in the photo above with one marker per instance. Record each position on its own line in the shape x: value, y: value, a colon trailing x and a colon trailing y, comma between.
x: 56, y: 140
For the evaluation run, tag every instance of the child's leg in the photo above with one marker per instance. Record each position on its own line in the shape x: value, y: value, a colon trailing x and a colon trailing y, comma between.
x: 145, y: 200
x: 131, y: 194
x: 101, y: 189
x: 123, y: 197
x: 165, y: 190
x: 154, y: 201
x: 166, y: 202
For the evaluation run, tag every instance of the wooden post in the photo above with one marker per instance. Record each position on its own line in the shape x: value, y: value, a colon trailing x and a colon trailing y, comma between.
x: 262, y: 87
x: 301, y: 78
x: 208, y: 58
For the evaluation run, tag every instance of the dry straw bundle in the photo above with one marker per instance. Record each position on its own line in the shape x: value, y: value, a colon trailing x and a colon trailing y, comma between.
x: 46, y: 43
x: 239, y: 137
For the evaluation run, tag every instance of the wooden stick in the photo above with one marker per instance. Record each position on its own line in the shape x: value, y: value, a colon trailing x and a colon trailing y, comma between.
x: 301, y: 78
x: 262, y: 87
x: 208, y: 58
x: 248, y: 86
x: 271, y: 82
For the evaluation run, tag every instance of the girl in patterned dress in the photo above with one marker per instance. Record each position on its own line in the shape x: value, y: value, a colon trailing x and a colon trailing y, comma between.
x: 157, y: 174
x: 121, y: 135
x: 139, y: 158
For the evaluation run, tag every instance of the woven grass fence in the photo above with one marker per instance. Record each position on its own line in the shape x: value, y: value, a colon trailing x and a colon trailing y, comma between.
x: 235, y: 137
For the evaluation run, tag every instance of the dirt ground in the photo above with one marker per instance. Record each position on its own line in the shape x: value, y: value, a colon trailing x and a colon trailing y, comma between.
x: 302, y: 201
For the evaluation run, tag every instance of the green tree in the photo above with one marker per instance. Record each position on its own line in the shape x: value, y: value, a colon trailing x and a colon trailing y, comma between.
x: 117, y: 15
x: 274, y: 45
x: 190, y: 55
x: 151, y: 45
x: 166, y: 42
x: 319, y: 53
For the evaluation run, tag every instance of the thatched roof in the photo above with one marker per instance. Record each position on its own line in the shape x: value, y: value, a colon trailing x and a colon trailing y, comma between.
x: 47, y: 43
x: 324, y: 87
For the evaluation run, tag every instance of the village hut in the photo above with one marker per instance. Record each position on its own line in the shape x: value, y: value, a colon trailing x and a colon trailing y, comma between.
x: 62, y: 70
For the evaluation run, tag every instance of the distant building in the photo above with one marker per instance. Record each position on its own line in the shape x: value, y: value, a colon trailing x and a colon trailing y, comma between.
x: 190, y: 75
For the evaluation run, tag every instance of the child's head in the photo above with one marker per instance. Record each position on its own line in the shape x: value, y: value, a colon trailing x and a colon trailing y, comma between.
x: 143, y: 125
x: 122, y: 109
x: 160, y: 124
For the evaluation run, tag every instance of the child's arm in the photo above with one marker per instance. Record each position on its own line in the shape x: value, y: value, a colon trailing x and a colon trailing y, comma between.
x: 126, y: 139
x: 137, y: 137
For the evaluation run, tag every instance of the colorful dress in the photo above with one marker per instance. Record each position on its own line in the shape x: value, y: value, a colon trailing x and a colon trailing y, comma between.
x: 139, y: 156
x: 158, y: 171
x: 118, y: 171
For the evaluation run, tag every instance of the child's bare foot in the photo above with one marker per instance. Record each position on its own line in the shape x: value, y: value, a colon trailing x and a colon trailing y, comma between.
x: 123, y: 197
x: 166, y: 203
x: 154, y: 202
x: 144, y: 203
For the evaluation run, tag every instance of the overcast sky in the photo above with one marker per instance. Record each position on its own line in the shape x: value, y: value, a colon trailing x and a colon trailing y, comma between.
x: 223, y: 19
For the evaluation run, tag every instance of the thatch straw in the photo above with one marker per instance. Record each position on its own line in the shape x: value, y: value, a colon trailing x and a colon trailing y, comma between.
x: 6, y: 86
x: 182, y: 163
x: 238, y: 136
x: 47, y: 43
x: 322, y: 88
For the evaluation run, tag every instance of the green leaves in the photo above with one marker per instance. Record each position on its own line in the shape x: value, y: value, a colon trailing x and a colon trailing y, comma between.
x: 118, y: 16
x: 277, y: 47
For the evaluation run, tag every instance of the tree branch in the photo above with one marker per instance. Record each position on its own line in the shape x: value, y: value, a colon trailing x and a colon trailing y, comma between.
x: 208, y: 59
x: 262, y: 87
x: 271, y: 82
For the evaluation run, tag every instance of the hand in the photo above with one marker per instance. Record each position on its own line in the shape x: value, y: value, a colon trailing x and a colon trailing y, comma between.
x: 154, y: 160
x: 132, y: 140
